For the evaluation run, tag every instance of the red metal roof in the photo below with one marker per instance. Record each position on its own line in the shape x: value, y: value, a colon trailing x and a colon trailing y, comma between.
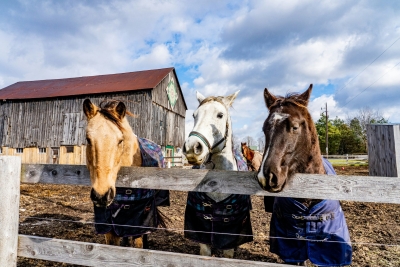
x: 130, y: 81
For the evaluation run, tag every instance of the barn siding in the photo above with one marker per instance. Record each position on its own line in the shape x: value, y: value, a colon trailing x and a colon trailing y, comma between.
x: 60, y: 121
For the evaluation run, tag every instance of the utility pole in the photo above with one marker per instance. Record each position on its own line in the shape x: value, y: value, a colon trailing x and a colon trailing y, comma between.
x: 326, y: 128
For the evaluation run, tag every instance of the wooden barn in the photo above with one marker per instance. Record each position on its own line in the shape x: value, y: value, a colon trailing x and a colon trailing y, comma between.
x: 43, y: 122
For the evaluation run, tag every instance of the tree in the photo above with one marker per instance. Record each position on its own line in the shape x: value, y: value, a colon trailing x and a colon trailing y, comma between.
x: 261, y: 143
x: 367, y: 116
x: 249, y: 140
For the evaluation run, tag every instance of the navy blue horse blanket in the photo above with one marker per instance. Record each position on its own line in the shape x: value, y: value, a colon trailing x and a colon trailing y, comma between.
x: 134, y: 206
x: 318, y: 233
x: 205, y: 218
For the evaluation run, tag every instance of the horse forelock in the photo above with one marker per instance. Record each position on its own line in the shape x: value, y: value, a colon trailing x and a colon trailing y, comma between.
x: 107, y: 109
x: 211, y: 99
x: 291, y: 98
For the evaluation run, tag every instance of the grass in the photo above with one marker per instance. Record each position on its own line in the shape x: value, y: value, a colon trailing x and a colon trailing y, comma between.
x: 350, y: 162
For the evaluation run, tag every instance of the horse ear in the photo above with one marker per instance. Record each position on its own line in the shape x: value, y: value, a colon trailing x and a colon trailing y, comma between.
x: 306, y: 95
x: 121, y: 110
x: 268, y: 98
x: 228, y: 100
x: 89, y: 109
x: 200, y: 97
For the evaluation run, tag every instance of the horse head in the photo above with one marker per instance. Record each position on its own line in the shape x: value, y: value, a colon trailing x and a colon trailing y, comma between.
x: 210, y: 131
x: 291, y: 141
x: 247, y: 152
x: 110, y: 145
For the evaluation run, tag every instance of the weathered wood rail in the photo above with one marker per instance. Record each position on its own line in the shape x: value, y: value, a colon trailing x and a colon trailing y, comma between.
x: 358, y: 188
x: 341, y: 187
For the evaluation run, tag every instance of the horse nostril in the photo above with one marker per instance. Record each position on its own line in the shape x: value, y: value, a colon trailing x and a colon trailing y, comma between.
x: 198, y: 148
x: 273, y: 180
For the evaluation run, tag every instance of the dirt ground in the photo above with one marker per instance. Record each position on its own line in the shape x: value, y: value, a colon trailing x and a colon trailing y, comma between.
x: 65, y: 212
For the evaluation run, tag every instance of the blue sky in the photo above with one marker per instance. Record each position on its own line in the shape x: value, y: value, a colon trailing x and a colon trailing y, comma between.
x: 349, y: 50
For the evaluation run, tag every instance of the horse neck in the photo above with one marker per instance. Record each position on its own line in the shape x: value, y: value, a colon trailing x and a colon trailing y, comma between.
x: 225, y: 160
x: 132, y: 156
x: 250, y: 154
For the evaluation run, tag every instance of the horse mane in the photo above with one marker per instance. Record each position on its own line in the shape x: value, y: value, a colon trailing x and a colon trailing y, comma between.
x: 107, y: 109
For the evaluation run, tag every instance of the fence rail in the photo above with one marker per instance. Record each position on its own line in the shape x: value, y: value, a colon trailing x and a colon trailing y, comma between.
x: 358, y: 188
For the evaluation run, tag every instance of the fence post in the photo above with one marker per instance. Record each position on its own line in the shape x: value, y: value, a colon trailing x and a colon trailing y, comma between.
x: 10, y: 175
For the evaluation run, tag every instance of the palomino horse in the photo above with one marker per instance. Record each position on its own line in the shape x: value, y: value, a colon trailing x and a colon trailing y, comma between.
x: 253, y: 157
x: 300, y: 229
x: 111, y: 144
x: 207, y: 214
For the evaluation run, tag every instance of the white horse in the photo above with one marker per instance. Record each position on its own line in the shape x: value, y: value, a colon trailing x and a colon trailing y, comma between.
x: 210, y: 144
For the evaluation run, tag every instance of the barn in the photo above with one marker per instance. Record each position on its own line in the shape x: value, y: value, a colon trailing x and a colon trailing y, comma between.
x: 43, y: 122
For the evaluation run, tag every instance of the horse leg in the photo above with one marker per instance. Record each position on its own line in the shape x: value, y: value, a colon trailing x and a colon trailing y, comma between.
x: 112, y: 239
x: 145, y: 242
x: 205, y: 250
x: 138, y: 242
x: 228, y: 253
x: 126, y: 241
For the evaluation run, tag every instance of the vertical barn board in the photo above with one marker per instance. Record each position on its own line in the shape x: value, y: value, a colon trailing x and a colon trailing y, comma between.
x: 70, y: 128
x: 383, y: 141
x: 10, y: 173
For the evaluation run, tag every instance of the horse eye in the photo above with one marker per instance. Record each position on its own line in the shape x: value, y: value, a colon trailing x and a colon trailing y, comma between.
x: 120, y: 142
x: 220, y: 115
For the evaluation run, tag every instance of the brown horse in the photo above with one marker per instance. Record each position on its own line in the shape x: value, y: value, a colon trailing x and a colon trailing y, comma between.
x: 253, y: 157
x: 111, y: 144
x: 300, y: 227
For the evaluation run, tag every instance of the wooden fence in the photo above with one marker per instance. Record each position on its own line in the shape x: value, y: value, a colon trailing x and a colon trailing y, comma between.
x: 355, y: 188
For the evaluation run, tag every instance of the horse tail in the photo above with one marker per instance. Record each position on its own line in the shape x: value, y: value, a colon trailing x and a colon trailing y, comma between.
x: 162, y: 219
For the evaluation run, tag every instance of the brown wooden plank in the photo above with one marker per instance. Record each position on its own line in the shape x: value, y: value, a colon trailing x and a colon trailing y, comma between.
x: 355, y: 188
x: 89, y: 254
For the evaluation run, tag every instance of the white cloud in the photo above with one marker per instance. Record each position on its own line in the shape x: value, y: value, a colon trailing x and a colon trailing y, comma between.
x: 217, y: 47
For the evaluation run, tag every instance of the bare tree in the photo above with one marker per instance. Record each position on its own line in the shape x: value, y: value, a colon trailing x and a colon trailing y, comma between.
x: 261, y: 143
x: 249, y: 140
x: 236, y: 142
x: 366, y: 116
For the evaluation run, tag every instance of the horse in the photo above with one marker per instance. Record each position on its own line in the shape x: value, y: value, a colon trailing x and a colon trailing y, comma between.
x: 253, y: 157
x: 111, y: 143
x: 300, y: 229
x: 209, y: 215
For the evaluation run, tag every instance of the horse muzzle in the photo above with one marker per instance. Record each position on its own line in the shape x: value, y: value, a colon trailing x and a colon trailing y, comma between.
x: 102, y: 201
x: 195, y: 151
x: 273, y: 182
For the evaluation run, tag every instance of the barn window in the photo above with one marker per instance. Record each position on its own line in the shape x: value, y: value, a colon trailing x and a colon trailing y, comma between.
x: 42, y: 150
x: 19, y: 150
x: 70, y: 149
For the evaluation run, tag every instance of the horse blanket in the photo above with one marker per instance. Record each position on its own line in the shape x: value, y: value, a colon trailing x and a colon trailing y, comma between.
x: 205, y: 218
x: 134, y: 206
x: 318, y: 233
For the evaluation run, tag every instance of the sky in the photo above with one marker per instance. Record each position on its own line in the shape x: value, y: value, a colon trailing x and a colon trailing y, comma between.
x: 349, y: 50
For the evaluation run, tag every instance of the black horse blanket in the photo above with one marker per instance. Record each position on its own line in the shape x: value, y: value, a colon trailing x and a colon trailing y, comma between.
x: 223, y: 225
x: 134, y: 206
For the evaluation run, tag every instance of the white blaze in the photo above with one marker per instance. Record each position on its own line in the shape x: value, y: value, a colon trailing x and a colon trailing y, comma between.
x: 275, y: 119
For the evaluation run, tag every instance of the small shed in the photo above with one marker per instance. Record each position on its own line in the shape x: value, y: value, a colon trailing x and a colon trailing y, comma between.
x: 43, y: 122
x: 384, y: 149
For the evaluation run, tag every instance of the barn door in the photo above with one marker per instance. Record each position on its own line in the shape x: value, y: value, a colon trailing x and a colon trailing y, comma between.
x: 71, y: 129
x: 55, y: 154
